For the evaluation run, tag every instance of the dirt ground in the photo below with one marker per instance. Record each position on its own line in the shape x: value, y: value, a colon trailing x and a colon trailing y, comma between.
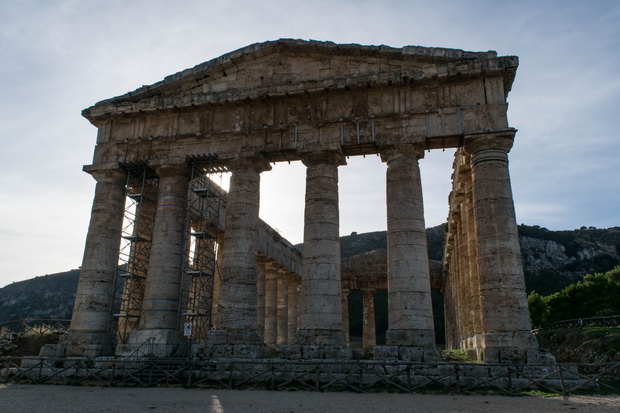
x: 18, y: 398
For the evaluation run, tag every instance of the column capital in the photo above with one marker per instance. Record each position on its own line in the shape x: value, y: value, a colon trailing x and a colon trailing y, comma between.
x: 258, y: 163
x: 390, y: 153
x: 475, y: 143
x: 173, y: 170
x: 109, y: 176
x: 323, y: 157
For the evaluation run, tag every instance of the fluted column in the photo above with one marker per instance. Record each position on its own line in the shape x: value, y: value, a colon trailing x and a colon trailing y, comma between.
x: 504, y: 312
x: 450, y: 303
x: 271, y: 303
x: 160, y: 309
x: 321, y: 312
x: 369, y: 336
x: 410, y: 313
x: 237, y: 301
x: 474, y: 285
x: 292, y: 308
x: 88, y: 333
x: 282, y: 334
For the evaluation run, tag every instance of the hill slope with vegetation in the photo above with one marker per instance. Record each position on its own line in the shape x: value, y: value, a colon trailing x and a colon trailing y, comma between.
x: 552, y: 260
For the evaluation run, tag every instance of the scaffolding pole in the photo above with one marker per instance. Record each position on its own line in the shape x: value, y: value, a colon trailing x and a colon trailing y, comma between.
x: 135, y: 248
x: 201, y: 269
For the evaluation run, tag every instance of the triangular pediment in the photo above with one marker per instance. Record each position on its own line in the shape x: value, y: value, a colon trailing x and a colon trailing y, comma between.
x: 288, y: 67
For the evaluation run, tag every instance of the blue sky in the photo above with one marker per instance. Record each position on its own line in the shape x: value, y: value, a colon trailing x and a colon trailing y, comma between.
x: 58, y: 57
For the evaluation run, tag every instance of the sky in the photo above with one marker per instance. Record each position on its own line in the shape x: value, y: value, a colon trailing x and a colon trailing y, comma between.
x: 58, y: 57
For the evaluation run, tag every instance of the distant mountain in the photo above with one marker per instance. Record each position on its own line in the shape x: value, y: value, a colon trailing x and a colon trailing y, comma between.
x: 552, y: 260
x: 48, y: 296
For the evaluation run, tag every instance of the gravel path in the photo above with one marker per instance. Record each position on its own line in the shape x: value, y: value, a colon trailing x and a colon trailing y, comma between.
x: 16, y: 398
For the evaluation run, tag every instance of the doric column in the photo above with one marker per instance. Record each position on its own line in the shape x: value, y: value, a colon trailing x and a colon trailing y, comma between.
x: 345, y: 316
x: 292, y: 308
x: 321, y: 313
x: 450, y: 303
x: 260, y: 297
x: 504, y: 312
x: 271, y: 303
x: 282, y: 334
x: 88, y: 334
x: 474, y: 285
x: 237, y: 301
x: 410, y: 313
x: 369, y: 337
x: 160, y: 309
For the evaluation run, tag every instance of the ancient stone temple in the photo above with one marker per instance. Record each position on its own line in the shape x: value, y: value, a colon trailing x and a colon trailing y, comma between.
x: 199, y: 268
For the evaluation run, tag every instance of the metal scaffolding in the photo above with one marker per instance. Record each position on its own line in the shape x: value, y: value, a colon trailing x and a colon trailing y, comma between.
x: 135, y: 249
x: 201, y: 269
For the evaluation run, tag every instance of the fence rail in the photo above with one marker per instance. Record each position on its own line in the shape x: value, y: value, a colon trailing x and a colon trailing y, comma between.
x: 35, y: 326
x: 593, y: 322
x: 318, y: 375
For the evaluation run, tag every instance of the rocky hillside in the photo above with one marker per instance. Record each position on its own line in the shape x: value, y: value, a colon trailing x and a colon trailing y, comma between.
x: 552, y: 260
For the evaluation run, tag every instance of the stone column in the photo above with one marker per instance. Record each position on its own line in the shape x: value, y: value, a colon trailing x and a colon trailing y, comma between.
x: 345, y: 316
x: 321, y: 312
x: 160, y: 309
x: 474, y: 285
x: 90, y: 323
x: 292, y: 308
x: 369, y: 337
x: 271, y: 303
x: 237, y: 301
x: 449, y: 295
x: 260, y: 297
x: 410, y: 313
x: 282, y: 334
x: 504, y: 313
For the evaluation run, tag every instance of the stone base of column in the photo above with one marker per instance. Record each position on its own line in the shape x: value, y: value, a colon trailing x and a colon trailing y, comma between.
x: 410, y: 338
x: 319, y: 337
x: 510, y: 347
x: 406, y: 353
x: 228, y: 351
x: 244, y: 337
x: 155, y: 343
x: 87, y: 344
x: 311, y: 352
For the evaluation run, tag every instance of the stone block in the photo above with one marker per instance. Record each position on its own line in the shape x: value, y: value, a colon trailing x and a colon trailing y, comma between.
x: 291, y: 352
x: 411, y: 353
x: 385, y: 353
x: 217, y: 337
x: 242, y: 337
x: 337, y: 352
x: 248, y: 351
x: 53, y: 350
x: 357, y: 353
x: 222, y: 351
x: 312, y: 352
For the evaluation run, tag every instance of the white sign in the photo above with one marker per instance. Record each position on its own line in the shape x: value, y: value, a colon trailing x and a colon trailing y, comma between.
x: 187, y: 329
